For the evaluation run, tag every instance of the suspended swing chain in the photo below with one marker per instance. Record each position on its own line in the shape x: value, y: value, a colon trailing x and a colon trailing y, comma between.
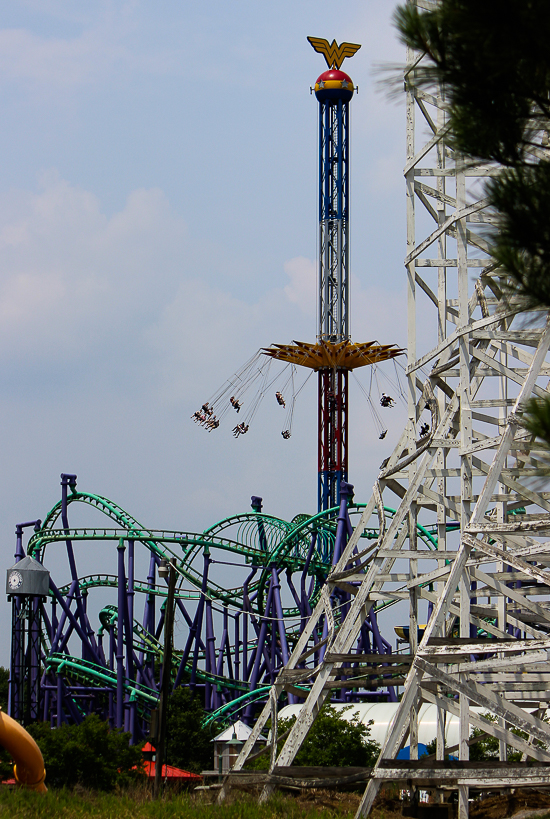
x: 213, y: 410
x: 230, y: 396
x: 287, y: 431
x: 232, y: 392
x: 376, y: 418
x: 375, y: 395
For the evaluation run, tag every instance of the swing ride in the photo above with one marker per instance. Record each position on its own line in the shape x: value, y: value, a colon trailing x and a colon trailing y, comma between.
x: 334, y: 355
x: 258, y: 379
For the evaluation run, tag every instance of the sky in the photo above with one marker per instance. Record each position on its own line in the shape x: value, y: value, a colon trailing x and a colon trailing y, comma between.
x: 158, y: 226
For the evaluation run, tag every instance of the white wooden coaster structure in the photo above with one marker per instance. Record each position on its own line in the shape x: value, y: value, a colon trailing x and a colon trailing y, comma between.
x: 487, y: 641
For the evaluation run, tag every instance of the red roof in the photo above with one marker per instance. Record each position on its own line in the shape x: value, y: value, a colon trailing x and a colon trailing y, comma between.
x: 169, y: 772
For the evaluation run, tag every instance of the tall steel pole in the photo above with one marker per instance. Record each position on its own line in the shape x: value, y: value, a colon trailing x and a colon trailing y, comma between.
x: 334, y: 89
x: 334, y: 354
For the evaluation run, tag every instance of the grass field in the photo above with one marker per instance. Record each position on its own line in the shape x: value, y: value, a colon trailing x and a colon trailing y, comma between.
x: 78, y: 804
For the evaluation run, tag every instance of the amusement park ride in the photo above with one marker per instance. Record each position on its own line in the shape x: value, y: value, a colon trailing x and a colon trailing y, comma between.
x: 456, y: 534
x: 334, y: 355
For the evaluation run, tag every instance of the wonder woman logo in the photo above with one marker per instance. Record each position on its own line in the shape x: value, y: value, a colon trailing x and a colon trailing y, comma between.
x: 333, y: 53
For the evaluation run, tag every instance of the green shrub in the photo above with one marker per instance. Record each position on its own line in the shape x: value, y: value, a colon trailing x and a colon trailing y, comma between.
x: 6, y: 763
x: 90, y: 754
x: 331, y: 741
x: 487, y: 748
x: 4, y: 678
x: 189, y: 745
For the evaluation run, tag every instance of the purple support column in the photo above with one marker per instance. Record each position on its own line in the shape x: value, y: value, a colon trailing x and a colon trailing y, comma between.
x: 149, y: 611
x: 279, y: 614
x: 130, y: 639
x: 223, y: 643
x: 305, y: 608
x: 343, y: 525
x: 194, y: 636
x: 149, y: 615
x: 210, y: 690
x: 59, y: 715
x: 254, y: 677
x: 120, y: 647
x: 256, y: 504
x: 70, y: 481
x: 237, y: 647
x: 346, y: 493
x: 246, y: 609
x: 112, y: 654
x: 280, y: 624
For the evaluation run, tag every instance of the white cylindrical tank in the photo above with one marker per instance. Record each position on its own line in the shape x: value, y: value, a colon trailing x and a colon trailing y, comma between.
x: 382, y: 714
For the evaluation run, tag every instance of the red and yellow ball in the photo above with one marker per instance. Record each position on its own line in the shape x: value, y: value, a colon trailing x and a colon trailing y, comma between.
x: 334, y: 85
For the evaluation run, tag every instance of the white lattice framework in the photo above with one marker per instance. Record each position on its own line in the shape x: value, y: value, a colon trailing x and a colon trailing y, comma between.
x: 487, y: 641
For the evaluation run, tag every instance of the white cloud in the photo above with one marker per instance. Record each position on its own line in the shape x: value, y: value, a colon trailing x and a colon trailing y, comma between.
x: 302, y: 289
x: 81, y: 290
x: 56, y: 61
x: 72, y: 278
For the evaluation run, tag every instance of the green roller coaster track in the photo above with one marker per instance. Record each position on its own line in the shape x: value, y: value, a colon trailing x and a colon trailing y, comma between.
x: 261, y: 541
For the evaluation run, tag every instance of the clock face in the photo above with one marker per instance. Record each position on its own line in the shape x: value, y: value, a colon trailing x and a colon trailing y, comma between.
x: 15, y: 580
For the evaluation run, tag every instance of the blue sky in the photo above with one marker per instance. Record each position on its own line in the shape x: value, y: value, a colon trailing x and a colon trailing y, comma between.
x: 157, y: 227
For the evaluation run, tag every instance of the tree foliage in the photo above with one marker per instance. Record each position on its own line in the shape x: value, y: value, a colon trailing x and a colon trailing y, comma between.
x: 331, y: 741
x: 189, y: 745
x: 492, y: 59
x: 487, y: 748
x: 4, y: 679
x: 6, y: 765
x: 493, y: 62
x: 89, y: 754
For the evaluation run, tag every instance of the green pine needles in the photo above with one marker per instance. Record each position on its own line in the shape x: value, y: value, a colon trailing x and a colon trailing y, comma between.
x: 493, y: 61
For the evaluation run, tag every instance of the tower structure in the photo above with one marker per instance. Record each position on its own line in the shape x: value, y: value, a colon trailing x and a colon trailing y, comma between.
x: 334, y: 90
x: 334, y: 355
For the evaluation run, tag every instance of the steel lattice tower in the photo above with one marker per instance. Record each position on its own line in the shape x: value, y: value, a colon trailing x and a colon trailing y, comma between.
x: 334, y: 355
x: 333, y: 278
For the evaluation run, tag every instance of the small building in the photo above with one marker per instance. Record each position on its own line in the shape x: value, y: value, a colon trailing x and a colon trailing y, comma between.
x: 228, y: 744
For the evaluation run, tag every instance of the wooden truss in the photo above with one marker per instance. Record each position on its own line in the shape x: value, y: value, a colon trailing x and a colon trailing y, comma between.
x: 487, y: 587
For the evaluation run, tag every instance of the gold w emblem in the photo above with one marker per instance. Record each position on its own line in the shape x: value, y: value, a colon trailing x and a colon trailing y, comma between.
x: 333, y: 53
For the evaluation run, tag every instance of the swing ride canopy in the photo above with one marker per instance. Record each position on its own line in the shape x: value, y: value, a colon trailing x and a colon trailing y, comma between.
x: 342, y: 355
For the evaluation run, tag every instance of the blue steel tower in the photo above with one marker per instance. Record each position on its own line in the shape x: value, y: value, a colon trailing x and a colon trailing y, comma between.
x: 334, y: 354
x: 334, y: 90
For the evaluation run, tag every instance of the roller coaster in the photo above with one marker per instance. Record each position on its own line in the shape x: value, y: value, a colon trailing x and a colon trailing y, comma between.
x: 246, y: 588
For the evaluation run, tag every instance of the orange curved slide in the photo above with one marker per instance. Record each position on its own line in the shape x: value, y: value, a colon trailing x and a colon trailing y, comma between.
x: 29, y: 764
